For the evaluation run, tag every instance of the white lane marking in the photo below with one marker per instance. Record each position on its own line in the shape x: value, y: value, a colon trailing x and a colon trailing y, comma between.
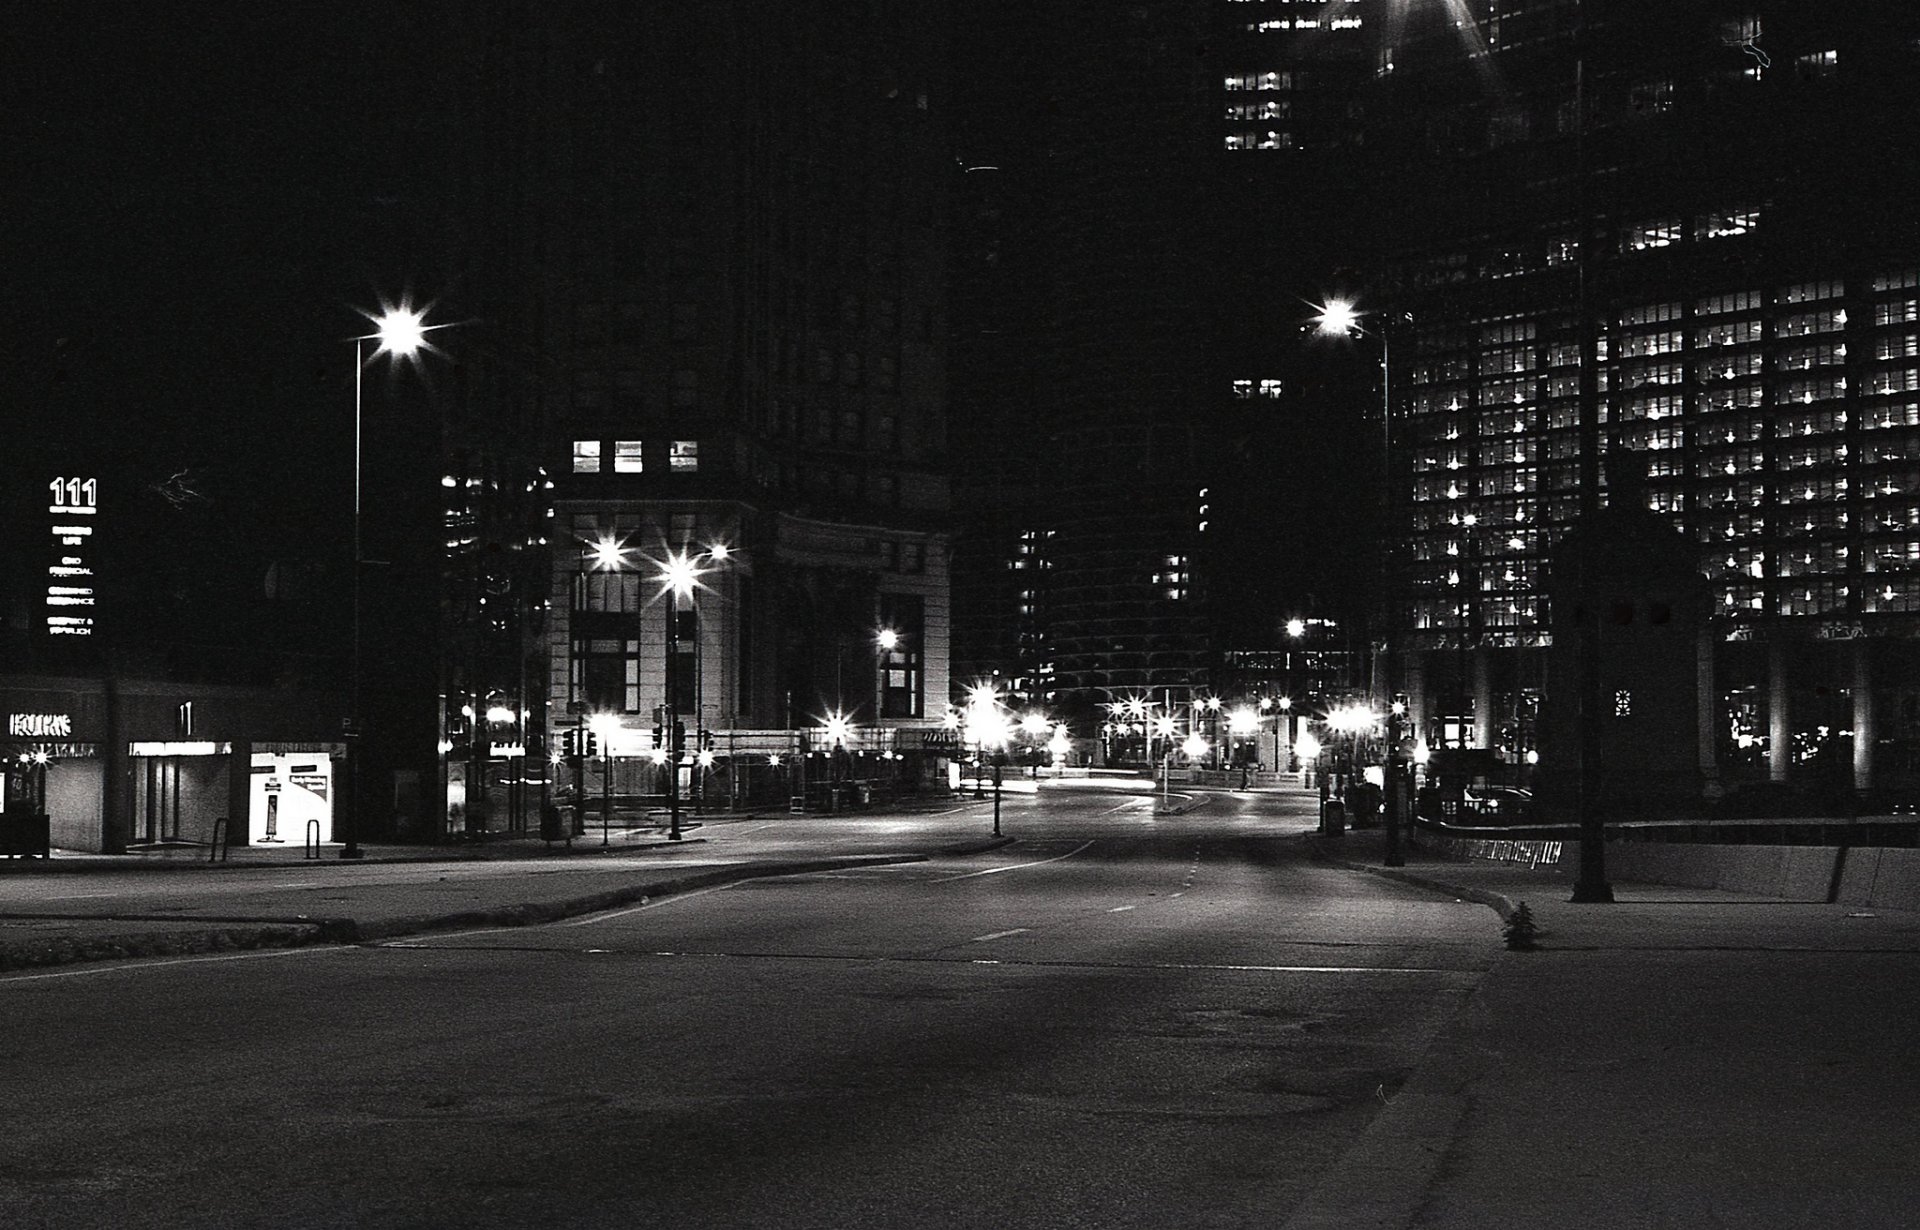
x: 585, y: 920
x: 998, y: 935
x: 81, y: 896
x: 646, y: 903
x: 968, y: 875
x: 136, y: 965
x: 1124, y: 806
x: 1118, y: 908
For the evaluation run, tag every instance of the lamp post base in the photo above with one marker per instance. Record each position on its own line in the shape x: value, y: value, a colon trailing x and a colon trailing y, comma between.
x: 351, y: 852
x: 1600, y: 893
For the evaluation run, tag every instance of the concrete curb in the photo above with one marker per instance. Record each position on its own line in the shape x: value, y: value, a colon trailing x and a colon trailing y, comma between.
x: 76, y: 950
x: 1500, y: 903
x: 198, y: 861
x: 238, y: 935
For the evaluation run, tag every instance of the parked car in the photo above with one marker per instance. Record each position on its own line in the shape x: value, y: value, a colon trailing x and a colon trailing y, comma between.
x: 1496, y: 805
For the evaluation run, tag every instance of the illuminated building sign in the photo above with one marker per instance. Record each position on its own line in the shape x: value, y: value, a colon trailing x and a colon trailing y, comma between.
x: 39, y: 726
x: 74, y: 509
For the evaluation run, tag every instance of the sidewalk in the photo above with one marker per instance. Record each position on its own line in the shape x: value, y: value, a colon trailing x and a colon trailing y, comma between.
x: 1642, y: 916
x: 1680, y: 1057
x: 90, y: 908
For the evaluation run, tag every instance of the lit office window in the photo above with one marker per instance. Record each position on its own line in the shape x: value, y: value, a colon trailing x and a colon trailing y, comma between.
x: 1722, y: 225
x: 1816, y: 66
x: 626, y: 456
x: 685, y: 455
x: 1657, y: 233
x: 586, y: 456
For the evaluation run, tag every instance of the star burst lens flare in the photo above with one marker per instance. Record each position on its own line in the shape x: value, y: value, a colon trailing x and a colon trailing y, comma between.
x: 678, y: 575
x: 1338, y: 317
x: 399, y: 329
x: 836, y: 727
x: 401, y: 332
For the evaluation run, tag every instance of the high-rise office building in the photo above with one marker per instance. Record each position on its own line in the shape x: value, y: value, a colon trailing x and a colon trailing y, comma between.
x: 734, y: 234
x: 1670, y: 236
x: 1142, y: 200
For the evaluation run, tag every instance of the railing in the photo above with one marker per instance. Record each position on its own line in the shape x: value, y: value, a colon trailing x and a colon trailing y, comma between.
x: 313, y: 840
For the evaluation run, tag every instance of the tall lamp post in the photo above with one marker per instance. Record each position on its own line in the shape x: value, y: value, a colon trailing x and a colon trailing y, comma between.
x: 678, y: 576
x: 1341, y: 319
x: 400, y: 332
x: 987, y: 724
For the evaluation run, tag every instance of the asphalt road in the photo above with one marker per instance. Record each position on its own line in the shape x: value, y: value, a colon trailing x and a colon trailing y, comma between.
x: 1117, y: 1021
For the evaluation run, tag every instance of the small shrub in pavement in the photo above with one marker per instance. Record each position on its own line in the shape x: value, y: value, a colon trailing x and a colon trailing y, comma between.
x: 1523, y: 934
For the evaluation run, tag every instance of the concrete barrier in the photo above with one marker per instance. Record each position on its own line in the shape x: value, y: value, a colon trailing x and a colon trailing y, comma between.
x: 1873, y: 876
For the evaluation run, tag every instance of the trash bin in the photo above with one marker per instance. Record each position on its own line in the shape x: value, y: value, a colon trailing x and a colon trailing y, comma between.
x: 1333, y: 820
x: 550, y: 822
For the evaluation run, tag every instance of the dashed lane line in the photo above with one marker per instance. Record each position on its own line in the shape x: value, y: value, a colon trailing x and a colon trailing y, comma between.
x: 968, y: 875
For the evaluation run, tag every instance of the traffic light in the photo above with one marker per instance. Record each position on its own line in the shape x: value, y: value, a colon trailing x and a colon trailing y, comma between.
x: 706, y: 740
x: 679, y: 735
x: 570, y: 742
x: 589, y: 743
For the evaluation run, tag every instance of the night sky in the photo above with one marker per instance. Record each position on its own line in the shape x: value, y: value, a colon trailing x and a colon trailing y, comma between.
x: 198, y: 197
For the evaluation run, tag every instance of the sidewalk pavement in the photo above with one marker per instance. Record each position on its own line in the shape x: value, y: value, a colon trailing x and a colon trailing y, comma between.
x: 1642, y: 916
x: 177, y: 902
x: 1681, y: 1057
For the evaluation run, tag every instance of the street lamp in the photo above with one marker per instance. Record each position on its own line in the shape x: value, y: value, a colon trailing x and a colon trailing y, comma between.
x: 401, y: 332
x: 837, y: 729
x: 1339, y: 317
x: 679, y: 575
x: 987, y: 724
x: 604, y: 727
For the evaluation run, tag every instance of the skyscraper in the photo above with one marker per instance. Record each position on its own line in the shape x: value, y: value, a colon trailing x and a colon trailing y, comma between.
x: 1671, y: 235
x: 733, y: 230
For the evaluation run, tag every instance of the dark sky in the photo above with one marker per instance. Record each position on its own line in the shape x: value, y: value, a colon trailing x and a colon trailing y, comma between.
x: 196, y: 197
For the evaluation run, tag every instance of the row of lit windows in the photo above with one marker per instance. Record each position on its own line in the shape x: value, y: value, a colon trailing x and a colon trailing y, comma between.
x: 629, y: 456
x: 1270, y: 139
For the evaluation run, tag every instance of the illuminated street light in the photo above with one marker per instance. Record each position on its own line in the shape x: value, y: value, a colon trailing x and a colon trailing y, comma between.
x: 1243, y: 721
x: 608, y: 555
x: 400, y: 332
x: 1296, y: 628
x: 836, y: 727
x: 1195, y: 747
x: 678, y: 575
x: 887, y: 639
x: 604, y: 727
x: 1338, y: 318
